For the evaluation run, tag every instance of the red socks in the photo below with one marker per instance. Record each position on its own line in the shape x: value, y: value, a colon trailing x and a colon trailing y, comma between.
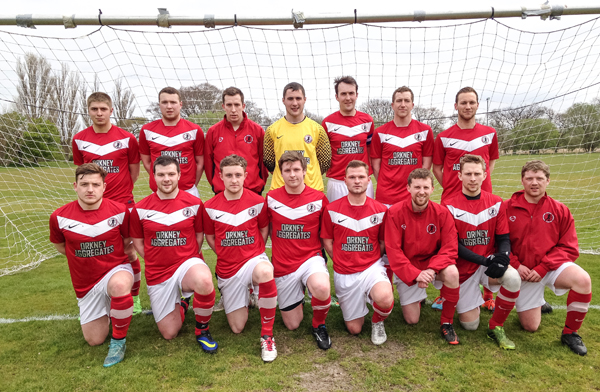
x: 381, y: 314
x: 450, y: 297
x: 267, y: 303
x: 121, y: 310
x: 505, y: 302
x: 137, y: 277
x: 320, y: 310
x: 203, y: 308
x: 577, y: 308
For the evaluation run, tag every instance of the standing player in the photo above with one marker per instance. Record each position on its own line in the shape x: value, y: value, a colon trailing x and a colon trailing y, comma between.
x: 544, y: 248
x: 236, y: 225
x: 167, y: 231
x: 399, y: 147
x: 117, y: 152
x: 92, y: 232
x: 235, y: 134
x: 295, y: 212
x: 465, y: 137
x: 296, y: 132
x: 421, y: 244
x: 352, y: 233
x: 350, y: 133
x: 483, y: 249
x: 175, y: 137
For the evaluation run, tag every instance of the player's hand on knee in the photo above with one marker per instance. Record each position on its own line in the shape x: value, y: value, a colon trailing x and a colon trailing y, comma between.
x: 496, y: 269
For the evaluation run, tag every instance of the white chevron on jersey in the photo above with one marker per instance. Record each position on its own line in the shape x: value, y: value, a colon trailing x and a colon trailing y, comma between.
x: 104, y: 149
x: 235, y: 219
x: 170, y: 141
x: 91, y: 230
x: 475, y: 219
x: 403, y: 142
x: 295, y: 213
x: 168, y: 219
x: 466, y: 145
x: 356, y: 225
x: 349, y: 131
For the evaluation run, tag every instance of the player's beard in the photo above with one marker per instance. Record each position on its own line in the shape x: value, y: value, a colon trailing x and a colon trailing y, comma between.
x: 420, y: 203
x: 167, y: 191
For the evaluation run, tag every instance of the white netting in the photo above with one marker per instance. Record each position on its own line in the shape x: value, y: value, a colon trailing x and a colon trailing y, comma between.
x: 541, y: 89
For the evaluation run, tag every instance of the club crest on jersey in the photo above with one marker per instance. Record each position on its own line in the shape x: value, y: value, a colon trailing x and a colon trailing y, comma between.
x: 364, y: 127
x: 311, y: 207
x: 187, y: 136
x: 117, y: 145
x: 187, y: 212
x: 403, y: 227
x: 548, y: 217
x: 431, y: 228
x: 493, y: 211
x: 113, y: 222
x: 418, y: 137
x: 374, y: 220
x: 512, y: 218
x: 308, y: 139
x: 485, y: 139
x: 248, y: 139
x: 252, y: 212
x: 220, y: 139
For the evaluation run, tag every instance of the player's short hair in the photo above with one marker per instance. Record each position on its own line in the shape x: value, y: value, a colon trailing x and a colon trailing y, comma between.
x: 232, y: 92
x: 99, y: 97
x: 165, y: 160
x: 534, y: 166
x: 466, y: 90
x: 89, y: 168
x: 294, y: 86
x: 233, y: 160
x: 420, y: 174
x: 355, y: 164
x: 344, y: 79
x: 403, y: 89
x: 470, y: 158
x: 169, y: 90
x: 292, y: 156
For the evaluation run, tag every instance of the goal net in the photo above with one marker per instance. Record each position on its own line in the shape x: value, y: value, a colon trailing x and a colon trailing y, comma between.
x: 540, y: 91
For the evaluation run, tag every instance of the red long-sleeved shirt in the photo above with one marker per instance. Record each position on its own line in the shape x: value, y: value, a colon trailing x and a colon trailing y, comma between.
x: 542, y: 235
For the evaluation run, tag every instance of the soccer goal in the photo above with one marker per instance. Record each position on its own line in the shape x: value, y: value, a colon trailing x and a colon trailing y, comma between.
x: 540, y: 90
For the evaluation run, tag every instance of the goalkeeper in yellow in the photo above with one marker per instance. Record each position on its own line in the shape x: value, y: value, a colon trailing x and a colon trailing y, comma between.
x: 296, y: 132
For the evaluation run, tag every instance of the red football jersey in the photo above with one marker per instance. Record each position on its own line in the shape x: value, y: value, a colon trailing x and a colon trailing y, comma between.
x: 295, y: 225
x: 356, y: 232
x: 114, y: 151
x: 236, y: 226
x: 93, y: 240
x: 453, y: 143
x: 401, y: 150
x: 169, y: 229
x: 416, y: 241
x: 477, y: 222
x: 183, y: 141
x: 247, y: 142
x: 350, y: 137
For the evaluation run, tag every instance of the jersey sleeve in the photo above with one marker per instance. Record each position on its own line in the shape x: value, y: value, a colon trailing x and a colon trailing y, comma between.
x: 371, y: 132
x: 439, y: 153
x: 56, y: 235
x: 428, y: 145
x: 143, y: 145
x: 264, y: 173
x: 566, y: 249
x: 323, y: 150
x: 209, y: 163
x: 324, y: 125
x: 199, y: 219
x: 448, y: 251
x: 263, y: 217
x: 77, y: 155
x: 208, y: 224
x: 326, y: 225
x: 399, y: 263
x: 133, y: 152
x: 375, y: 145
x: 199, y: 142
x: 502, y: 221
x: 125, y: 226
x: 135, y: 225
x: 494, y: 151
x: 269, y: 150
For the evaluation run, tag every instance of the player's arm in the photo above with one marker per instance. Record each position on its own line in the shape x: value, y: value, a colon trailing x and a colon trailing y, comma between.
x: 323, y: 151
x: 264, y: 232
x: 376, y: 164
x: 147, y: 163
x: 438, y: 172
x: 199, y: 167
x: 566, y: 248
x: 470, y: 256
x: 138, y: 244
x: 427, y: 163
x: 134, y: 171
x: 200, y: 241
x: 382, y: 247
x: 328, y: 245
x: 492, y: 165
x: 448, y: 251
x: 61, y: 248
x: 210, y: 240
x: 209, y: 162
x: 269, y: 150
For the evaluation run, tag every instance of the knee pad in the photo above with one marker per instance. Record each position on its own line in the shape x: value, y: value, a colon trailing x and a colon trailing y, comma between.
x: 470, y: 325
x: 511, y: 280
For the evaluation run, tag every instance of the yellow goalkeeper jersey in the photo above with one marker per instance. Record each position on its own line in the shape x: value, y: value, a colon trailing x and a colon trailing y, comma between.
x: 306, y: 137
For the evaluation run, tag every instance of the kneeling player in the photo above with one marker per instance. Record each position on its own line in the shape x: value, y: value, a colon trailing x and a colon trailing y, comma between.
x: 167, y: 232
x: 421, y: 244
x: 236, y: 226
x: 544, y: 248
x: 92, y: 232
x: 483, y: 249
x: 352, y: 232
x: 295, y: 212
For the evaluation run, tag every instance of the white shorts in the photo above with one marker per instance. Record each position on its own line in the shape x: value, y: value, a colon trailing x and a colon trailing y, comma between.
x: 290, y: 287
x: 409, y: 294
x: 96, y: 303
x: 234, y: 290
x: 193, y: 191
x: 532, y: 293
x: 336, y: 189
x: 353, y: 290
x: 470, y: 294
x: 164, y: 296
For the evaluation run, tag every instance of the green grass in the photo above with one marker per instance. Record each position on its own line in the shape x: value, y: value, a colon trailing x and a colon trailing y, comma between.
x: 53, y: 356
